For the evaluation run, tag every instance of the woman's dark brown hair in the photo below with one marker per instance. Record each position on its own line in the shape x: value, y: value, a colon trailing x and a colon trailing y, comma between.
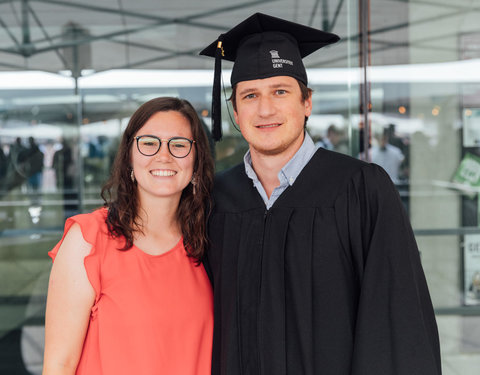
x: 120, y: 192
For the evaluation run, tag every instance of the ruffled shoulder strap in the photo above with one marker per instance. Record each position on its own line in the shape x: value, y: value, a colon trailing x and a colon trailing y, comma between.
x: 94, y: 231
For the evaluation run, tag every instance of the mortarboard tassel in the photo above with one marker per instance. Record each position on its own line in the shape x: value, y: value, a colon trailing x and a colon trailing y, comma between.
x: 216, y: 93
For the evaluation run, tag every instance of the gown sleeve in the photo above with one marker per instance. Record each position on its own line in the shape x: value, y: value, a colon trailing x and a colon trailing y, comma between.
x: 395, y: 331
x: 91, y: 225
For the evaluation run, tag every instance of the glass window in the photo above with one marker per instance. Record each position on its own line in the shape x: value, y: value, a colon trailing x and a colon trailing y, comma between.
x: 425, y: 86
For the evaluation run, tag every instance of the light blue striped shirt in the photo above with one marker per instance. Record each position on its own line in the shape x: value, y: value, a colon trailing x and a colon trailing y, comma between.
x: 287, y: 174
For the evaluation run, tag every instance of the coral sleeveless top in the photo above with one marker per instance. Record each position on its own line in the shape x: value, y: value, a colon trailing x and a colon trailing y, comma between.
x: 152, y: 314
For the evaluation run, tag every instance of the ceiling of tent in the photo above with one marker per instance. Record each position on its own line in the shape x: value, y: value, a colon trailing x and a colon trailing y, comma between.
x: 76, y: 35
x: 99, y: 35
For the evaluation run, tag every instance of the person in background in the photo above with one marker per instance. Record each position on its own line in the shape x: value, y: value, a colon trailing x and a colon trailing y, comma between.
x: 313, y: 260
x: 128, y: 293
x: 64, y: 166
x: 4, y: 161
x: 34, y: 166
x: 335, y: 140
x: 388, y: 156
x: 16, y: 170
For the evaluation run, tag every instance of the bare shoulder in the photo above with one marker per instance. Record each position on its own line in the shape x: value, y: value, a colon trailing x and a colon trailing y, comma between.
x: 68, y: 275
x: 74, y: 246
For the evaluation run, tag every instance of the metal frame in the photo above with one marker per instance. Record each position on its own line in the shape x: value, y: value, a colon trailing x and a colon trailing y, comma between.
x: 27, y: 47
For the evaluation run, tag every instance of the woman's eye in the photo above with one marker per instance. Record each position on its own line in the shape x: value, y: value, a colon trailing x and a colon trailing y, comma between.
x: 178, y: 144
x: 149, y: 143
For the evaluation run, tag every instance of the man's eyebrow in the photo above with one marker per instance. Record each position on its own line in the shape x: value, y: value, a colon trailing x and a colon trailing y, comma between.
x: 272, y: 86
x: 247, y: 90
x: 280, y: 85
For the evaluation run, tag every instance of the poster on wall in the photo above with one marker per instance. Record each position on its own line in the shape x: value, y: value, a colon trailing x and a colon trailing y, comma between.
x: 471, y: 127
x: 467, y: 175
x: 471, y: 266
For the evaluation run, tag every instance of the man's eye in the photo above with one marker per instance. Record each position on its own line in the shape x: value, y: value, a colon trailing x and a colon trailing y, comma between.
x: 249, y: 96
x: 281, y: 92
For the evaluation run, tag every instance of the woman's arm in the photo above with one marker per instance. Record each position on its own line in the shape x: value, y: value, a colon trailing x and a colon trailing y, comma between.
x: 70, y: 299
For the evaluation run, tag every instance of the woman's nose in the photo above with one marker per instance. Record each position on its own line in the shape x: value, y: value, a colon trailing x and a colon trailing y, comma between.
x: 163, y: 153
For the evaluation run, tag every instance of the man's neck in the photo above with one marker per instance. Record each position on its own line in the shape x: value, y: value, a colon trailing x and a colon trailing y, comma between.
x: 267, y: 168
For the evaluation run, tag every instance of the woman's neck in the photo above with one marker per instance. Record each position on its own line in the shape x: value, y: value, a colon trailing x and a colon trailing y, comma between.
x: 160, y: 229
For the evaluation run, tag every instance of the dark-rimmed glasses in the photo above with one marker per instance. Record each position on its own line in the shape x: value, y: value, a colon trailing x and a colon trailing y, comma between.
x: 149, y: 145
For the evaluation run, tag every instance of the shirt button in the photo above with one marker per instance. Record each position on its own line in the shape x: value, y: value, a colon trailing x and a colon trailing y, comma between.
x: 291, y: 180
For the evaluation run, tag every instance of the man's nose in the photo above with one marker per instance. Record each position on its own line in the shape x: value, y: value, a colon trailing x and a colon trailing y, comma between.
x: 266, y: 106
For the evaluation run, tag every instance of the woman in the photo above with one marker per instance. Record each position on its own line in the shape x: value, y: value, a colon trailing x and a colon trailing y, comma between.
x: 127, y: 292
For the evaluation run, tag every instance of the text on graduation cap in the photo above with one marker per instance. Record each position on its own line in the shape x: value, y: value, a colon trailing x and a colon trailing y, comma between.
x: 277, y: 61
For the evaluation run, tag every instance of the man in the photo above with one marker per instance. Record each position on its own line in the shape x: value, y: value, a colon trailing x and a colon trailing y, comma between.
x: 313, y: 261
x: 387, y: 156
x: 335, y: 140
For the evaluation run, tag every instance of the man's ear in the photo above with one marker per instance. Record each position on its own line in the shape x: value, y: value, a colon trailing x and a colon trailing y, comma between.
x: 308, y: 106
x: 235, y: 116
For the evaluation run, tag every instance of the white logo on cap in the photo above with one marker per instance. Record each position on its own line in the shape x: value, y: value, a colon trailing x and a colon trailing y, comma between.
x: 274, y: 54
x: 278, y: 62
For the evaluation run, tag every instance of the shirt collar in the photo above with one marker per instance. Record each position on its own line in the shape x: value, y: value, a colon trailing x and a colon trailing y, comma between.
x: 294, y: 166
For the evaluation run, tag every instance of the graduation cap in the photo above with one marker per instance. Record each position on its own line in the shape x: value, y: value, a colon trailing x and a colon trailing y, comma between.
x: 262, y: 46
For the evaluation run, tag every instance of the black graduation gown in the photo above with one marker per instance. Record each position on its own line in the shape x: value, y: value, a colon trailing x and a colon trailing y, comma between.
x: 327, y: 281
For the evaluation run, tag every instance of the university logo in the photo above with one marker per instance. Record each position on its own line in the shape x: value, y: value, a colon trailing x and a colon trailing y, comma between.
x: 274, y: 54
x: 277, y: 61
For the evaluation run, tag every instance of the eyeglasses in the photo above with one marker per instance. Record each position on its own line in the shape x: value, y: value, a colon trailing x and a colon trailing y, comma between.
x: 178, y: 147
